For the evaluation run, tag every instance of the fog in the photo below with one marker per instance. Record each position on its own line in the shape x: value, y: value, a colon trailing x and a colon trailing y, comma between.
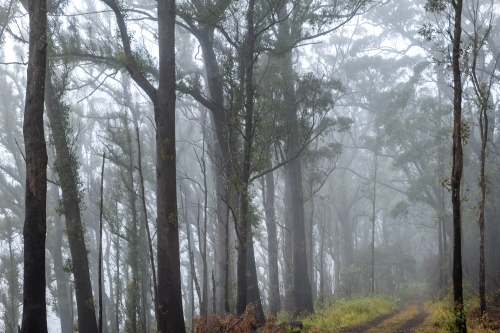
x: 314, y: 159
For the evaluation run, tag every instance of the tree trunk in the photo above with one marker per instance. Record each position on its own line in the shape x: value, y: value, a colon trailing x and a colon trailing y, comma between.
x: 63, y: 301
x: 347, y: 251
x: 372, y: 273
x: 221, y: 158
x: 170, y: 311
x: 35, y: 226
x: 247, y: 285
x: 336, y: 264
x: 456, y: 174
x: 272, y: 242
x: 302, y: 296
x: 99, y: 270
x: 66, y: 168
x: 288, y: 249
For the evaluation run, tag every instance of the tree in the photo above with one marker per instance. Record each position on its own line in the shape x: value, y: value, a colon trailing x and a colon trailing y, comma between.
x: 170, y: 312
x: 66, y: 167
x: 457, y: 169
x: 169, y: 298
x: 35, y: 225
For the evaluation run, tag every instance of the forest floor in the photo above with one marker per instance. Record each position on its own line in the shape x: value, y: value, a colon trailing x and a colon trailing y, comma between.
x: 407, y: 320
x: 414, y: 310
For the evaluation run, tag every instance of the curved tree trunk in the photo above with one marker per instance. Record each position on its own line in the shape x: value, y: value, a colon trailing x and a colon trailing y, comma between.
x: 66, y: 168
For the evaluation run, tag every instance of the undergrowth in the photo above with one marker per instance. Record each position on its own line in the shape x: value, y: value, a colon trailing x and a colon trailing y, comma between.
x: 441, y: 319
x: 348, y: 313
x: 232, y: 324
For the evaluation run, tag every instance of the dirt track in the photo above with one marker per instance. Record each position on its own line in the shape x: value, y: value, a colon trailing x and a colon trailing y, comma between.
x: 403, y: 321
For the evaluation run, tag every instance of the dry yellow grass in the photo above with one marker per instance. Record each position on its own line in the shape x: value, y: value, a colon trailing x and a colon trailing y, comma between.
x: 440, y: 320
x: 347, y: 313
x: 396, y: 321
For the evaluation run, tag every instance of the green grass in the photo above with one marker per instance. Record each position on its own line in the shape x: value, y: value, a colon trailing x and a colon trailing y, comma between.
x: 348, y: 313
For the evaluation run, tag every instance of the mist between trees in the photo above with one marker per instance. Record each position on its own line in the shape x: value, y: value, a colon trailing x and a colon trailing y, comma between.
x: 204, y: 155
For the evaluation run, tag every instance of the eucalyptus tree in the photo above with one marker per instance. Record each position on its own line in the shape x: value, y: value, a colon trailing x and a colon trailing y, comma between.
x: 66, y: 166
x: 35, y: 224
x: 169, y: 297
x: 481, y: 73
x: 453, y: 14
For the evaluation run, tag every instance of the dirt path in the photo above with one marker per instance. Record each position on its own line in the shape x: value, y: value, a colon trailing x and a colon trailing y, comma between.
x: 404, y: 321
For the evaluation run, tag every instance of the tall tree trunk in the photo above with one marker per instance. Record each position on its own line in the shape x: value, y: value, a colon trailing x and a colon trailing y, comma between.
x: 63, y: 301
x: 221, y: 160
x: 372, y: 273
x: 146, y: 225
x: 302, y: 295
x: 309, y: 227
x: 118, y: 282
x: 456, y: 173
x: 170, y: 311
x: 272, y: 241
x: 66, y: 168
x: 99, y: 270
x: 336, y: 264
x: 288, y: 249
x: 483, y: 93
x: 247, y: 285
x: 347, y: 251
x: 35, y: 224
x: 441, y: 281
x: 242, y: 227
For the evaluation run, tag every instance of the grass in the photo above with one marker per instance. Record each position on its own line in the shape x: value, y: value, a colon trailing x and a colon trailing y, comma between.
x: 398, y: 320
x: 440, y: 319
x: 348, y: 313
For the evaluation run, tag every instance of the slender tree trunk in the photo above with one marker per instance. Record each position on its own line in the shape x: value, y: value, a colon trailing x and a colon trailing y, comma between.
x: 63, y: 301
x: 372, y: 275
x: 221, y: 159
x: 99, y: 270
x: 34, y: 304
x: 441, y: 282
x: 146, y: 224
x: 336, y: 264
x: 483, y: 93
x: 347, y: 251
x: 321, y: 261
x: 309, y: 226
x: 110, y: 313
x: 457, y: 170
x: 202, y: 232
x: 288, y: 249
x: 483, y: 126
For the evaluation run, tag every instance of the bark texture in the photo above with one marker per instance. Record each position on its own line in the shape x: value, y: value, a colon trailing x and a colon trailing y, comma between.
x: 302, y: 295
x: 34, y: 232
x: 272, y: 244
x: 67, y: 170
x: 456, y: 173
x: 170, y: 311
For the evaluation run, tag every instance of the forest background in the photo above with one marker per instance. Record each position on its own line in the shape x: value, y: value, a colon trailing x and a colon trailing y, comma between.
x: 311, y: 157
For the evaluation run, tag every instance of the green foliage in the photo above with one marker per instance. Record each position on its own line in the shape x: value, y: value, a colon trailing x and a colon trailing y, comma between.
x: 401, y: 209
x: 436, y: 6
x: 68, y: 266
x: 66, y: 162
